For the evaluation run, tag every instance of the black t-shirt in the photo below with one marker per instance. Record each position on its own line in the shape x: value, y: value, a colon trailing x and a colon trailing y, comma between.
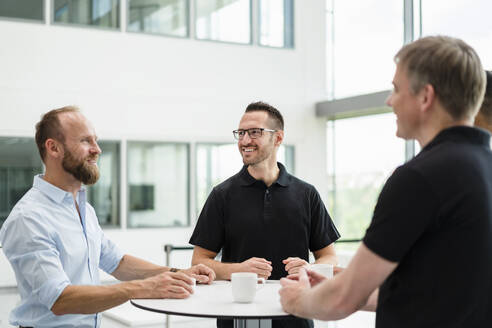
x: 245, y: 218
x: 434, y: 217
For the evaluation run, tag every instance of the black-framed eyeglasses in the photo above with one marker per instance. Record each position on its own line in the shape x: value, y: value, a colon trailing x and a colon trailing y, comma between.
x: 253, y: 133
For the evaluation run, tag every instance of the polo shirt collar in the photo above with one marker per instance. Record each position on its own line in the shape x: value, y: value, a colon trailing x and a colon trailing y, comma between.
x: 461, y: 133
x: 53, y: 192
x: 247, y: 180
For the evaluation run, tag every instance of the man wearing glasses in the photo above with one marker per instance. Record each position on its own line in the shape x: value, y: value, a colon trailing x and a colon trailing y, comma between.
x: 263, y: 219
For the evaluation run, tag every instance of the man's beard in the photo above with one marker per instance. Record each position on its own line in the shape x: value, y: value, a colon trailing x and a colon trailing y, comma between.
x: 80, y: 169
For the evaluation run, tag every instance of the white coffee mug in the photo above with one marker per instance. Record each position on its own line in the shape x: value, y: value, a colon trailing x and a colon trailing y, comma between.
x: 324, y: 269
x: 244, y: 286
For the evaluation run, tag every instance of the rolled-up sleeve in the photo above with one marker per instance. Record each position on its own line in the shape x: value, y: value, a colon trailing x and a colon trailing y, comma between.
x: 111, y: 255
x: 35, y: 259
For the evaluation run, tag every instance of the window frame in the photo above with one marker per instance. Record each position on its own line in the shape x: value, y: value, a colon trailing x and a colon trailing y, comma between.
x: 251, y: 22
x: 289, y: 30
x: 188, y: 23
x: 117, y: 28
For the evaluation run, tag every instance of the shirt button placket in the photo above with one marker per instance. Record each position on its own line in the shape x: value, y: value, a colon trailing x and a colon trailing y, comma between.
x: 267, y: 204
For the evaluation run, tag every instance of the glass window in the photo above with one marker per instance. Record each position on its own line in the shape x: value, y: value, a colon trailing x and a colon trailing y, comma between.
x: 25, y: 9
x: 364, y: 36
x: 157, y: 184
x: 169, y: 17
x: 468, y: 20
x: 100, y: 13
x: 276, y: 23
x: 223, y: 20
x: 359, y: 163
x: 104, y: 195
x: 19, y: 163
x: 217, y: 162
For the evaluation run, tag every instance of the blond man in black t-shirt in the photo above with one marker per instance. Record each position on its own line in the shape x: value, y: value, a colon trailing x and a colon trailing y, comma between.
x: 425, y: 260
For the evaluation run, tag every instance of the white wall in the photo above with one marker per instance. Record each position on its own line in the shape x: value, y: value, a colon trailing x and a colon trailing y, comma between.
x: 135, y: 86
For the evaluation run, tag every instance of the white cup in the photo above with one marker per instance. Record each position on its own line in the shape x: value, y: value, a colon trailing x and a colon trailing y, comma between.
x: 244, y: 286
x: 324, y: 269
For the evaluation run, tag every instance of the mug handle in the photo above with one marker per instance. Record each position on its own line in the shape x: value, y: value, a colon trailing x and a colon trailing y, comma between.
x: 261, y: 283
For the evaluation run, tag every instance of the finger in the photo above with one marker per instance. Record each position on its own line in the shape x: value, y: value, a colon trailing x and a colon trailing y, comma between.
x: 289, y: 259
x: 294, y: 276
x: 294, y: 264
x: 263, y: 273
x: 183, y: 277
x: 260, y: 259
x: 204, y: 270
x: 294, y: 270
x: 202, y: 279
x: 337, y: 270
x: 178, y: 292
x: 291, y: 264
x: 303, y: 277
x: 183, y: 284
x: 286, y: 282
x: 315, y: 275
x: 263, y: 266
x: 209, y: 272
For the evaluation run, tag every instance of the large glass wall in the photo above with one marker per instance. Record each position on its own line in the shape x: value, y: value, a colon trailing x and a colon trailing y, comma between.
x: 363, y: 36
x: 23, y: 9
x: 217, y: 162
x: 214, y: 20
x: 167, y: 17
x: 19, y: 162
x: 359, y: 162
x: 223, y: 20
x: 465, y: 19
x: 100, y: 13
x: 276, y: 27
x: 158, y: 184
x: 104, y: 195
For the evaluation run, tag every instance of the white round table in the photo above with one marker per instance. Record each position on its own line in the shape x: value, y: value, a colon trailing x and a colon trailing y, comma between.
x: 215, y: 301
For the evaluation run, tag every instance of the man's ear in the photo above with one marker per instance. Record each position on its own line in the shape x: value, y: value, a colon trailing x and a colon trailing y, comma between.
x: 427, y: 97
x: 53, y: 148
x: 279, y: 137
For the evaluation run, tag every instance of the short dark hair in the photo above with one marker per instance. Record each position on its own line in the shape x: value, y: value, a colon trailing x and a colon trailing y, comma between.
x: 486, y: 108
x: 50, y: 127
x: 272, y: 112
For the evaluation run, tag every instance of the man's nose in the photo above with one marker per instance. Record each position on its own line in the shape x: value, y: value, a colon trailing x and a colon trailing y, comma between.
x: 388, y: 100
x: 246, y: 138
x: 95, y: 148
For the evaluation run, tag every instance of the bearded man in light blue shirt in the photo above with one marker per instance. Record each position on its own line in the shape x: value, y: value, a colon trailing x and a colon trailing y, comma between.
x: 56, y: 247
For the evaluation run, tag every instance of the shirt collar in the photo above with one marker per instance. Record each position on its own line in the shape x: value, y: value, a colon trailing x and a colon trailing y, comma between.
x: 247, y: 180
x: 461, y: 134
x: 53, y: 192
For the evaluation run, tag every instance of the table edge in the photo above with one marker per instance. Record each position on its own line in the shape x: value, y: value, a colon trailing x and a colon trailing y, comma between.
x: 281, y: 316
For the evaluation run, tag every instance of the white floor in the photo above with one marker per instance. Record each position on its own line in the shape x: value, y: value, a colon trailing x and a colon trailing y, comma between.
x: 128, y: 316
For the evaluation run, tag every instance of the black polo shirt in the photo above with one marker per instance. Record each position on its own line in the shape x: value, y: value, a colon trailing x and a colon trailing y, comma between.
x: 245, y: 218
x: 434, y: 217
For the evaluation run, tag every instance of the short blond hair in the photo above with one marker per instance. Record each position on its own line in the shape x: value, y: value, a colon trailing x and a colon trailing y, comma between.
x: 451, y: 66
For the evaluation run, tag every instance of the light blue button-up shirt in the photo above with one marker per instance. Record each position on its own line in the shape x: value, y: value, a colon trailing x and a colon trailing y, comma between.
x: 50, y: 247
